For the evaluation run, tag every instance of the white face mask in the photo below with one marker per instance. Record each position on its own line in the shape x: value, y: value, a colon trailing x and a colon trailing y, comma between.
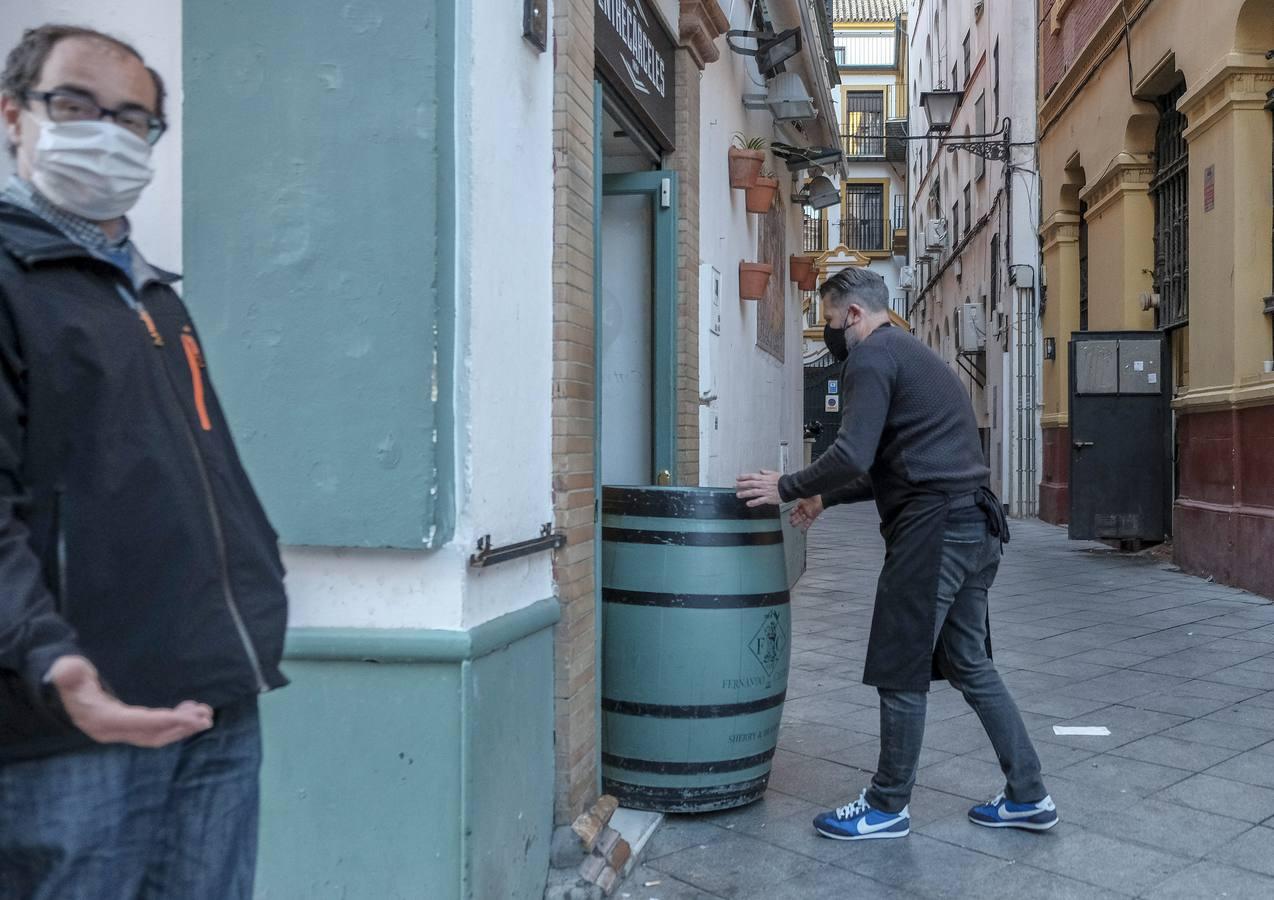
x: 92, y: 169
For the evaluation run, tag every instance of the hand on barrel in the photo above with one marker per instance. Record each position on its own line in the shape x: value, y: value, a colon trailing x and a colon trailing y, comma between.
x: 806, y: 511
x: 759, y: 488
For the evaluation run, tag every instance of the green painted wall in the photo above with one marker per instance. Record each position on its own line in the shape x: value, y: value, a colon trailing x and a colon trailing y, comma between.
x: 411, y: 764
x: 317, y: 244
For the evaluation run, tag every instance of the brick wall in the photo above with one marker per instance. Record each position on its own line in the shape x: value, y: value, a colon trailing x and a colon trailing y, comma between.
x: 1058, y: 51
x: 686, y: 163
x: 574, y: 397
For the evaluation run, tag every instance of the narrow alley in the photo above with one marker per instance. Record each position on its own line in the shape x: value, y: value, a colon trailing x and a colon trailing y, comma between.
x: 1178, y: 801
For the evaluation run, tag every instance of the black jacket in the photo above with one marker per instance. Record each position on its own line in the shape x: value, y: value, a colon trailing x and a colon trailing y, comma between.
x: 128, y: 529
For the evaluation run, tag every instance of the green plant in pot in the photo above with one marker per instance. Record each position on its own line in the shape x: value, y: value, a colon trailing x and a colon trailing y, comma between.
x: 747, y: 156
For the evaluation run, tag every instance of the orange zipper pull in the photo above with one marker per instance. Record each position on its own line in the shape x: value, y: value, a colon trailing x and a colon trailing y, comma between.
x: 155, y: 337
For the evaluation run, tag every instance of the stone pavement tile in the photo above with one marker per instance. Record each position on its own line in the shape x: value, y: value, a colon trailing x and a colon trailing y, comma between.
x: 1244, y: 677
x: 1223, y: 797
x: 923, y: 865
x: 810, y: 683
x: 1122, y: 685
x: 736, y: 866
x: 830, y: 881
x: 858, y: 693
x: 773, y: 805
x: 1263, y: 699
x: 1059, y: 705
x: 1253, y: 767
x: 1247, y: 714
x: 1119, y: 659
x: 1192, y: 663
x: 1122, y: 775
x: 814, y: 780
x: 1071, y: 669
x: 1066, y: 645
x: 1158, y: 824
x: 1020, y: 881
x: 814, y: 642
x: 814, y: 739
x: 676, y: 833
x: 1208, y: 879
x: 1216, y: 690
x: 1262, y: 664
x: 829, y: 712
x: 1126, y: 725
x: 1104, y: 861
x: 668, y: 888
x: 1178, y: 704
x: 963, y: 776
x: 1166, y: 751
x: 1254, y: 850
x: 1025, y: 681
x: 1234, y: 737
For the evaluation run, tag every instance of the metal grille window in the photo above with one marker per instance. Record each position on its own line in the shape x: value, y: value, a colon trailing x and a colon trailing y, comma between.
x: 900, y: 213
x: 995, y: 83
x: 1083, y: 266
x: 864, y: 123
x: 815, y: 234
x: 1171, y: 191
x: 863, y: 220
x: 995, y: 271
x: 968, y: 208
x: 979, y: 123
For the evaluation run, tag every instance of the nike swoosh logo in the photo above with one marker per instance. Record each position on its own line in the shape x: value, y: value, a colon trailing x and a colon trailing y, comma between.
x: 1006, y: 813
x: 865, y: 828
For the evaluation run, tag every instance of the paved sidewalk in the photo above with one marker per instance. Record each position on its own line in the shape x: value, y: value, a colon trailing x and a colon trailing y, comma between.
x: 1177, y: 802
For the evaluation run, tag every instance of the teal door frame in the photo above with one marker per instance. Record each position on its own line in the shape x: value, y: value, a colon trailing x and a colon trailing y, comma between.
x: 664, y: 284
x: 660, y: 187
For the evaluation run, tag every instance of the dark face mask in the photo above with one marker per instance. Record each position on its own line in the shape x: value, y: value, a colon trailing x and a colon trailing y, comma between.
x: 835, y: 340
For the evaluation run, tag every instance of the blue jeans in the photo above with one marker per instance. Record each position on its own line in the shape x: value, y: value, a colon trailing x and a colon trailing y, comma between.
x: 114, y: 822
x: 970, y: 559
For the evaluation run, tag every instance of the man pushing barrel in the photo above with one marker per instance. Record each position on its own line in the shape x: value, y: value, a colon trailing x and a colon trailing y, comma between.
x: 909, y: 439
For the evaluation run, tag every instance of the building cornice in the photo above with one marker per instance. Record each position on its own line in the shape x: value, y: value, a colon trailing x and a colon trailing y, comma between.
x: 1103, y: 42
x: 1211, y: 399
x: 701, y: 23
x: 1236, y: 81
x: 1061, y: 227
x: 1129, y: 172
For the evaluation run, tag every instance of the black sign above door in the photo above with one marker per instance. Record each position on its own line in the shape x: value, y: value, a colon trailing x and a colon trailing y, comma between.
x: 635, y: 54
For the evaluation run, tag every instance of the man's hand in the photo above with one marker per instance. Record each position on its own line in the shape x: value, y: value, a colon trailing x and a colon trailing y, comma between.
x: 108, y: 721
x: 759, y: 489
x: 806, y: 512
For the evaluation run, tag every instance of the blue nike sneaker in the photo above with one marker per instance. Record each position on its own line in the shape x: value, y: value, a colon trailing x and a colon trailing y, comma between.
x: 859, y: 822
x: 1000, y: 812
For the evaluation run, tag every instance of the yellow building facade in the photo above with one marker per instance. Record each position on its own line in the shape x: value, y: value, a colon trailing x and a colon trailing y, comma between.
x: 1157, y: 161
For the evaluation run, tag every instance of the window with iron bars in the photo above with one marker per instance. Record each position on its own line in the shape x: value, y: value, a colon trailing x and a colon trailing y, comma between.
x: 1171, y: 191
x: 1083, y: 266
x: 864, y: 124
x: 863, y: 217
x: 815, y: 233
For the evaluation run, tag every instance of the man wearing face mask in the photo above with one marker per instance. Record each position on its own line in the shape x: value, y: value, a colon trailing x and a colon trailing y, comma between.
x: 142, y: 607
x: 909, y: 439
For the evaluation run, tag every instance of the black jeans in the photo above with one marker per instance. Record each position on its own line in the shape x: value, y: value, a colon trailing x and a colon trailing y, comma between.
x: 970, y: 559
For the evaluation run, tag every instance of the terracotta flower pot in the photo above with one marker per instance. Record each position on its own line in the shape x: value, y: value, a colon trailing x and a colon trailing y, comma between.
x: 761, y: 195
x: 745, y: 167
x: 799, y: 267
x: 754, y: 278
x: 809, y: 282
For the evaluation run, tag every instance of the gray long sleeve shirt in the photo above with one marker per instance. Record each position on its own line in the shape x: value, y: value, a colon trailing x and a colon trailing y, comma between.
x: 903, y: 409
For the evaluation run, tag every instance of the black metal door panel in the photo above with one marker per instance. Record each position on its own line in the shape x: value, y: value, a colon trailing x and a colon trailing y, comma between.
x: 1121, y: 436
x: 822, y: 380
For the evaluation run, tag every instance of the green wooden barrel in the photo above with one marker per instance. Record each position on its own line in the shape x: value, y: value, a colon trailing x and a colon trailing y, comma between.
x: 696, y: 621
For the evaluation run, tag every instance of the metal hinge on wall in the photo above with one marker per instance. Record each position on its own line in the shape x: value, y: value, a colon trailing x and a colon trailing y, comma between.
x: 488, y: 555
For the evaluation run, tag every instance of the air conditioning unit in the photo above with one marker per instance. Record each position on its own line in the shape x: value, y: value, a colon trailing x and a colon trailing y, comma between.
x: 907, y: 278
x: 972, y: 328
x: 936, y: 234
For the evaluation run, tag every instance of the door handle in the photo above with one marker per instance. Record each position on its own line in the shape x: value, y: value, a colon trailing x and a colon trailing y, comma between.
x: 664, y: 478
x: 1080, y: 445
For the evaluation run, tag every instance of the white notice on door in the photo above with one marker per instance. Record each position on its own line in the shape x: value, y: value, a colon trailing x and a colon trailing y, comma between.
x: 1139, y: 365
x: 1153, y: 378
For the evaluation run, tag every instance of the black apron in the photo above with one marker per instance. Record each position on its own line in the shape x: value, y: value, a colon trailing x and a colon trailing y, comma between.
x: 901, y: 653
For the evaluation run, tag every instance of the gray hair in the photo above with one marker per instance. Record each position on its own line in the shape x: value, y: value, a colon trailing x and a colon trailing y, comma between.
x: 855, y: 285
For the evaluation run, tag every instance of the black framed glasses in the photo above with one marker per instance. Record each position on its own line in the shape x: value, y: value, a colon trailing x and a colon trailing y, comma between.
x: 73, y: 106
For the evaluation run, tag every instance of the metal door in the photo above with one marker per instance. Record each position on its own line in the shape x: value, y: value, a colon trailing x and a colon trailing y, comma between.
x: 823, y: 398
x: 1121, y: 436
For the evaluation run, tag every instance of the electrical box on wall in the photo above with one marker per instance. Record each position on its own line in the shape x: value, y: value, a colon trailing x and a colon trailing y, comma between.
x: 972, y: 328
x: 710, y: 297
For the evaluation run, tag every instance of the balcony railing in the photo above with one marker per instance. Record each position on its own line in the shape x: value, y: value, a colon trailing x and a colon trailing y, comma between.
x: 899, y: 218
x: 815, y: 235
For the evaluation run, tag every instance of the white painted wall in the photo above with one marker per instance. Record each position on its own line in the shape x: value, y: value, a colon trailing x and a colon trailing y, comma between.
x: 1015, y: 218
x: 760, y: 400
x: 154, y: 28
x: 504, y: 327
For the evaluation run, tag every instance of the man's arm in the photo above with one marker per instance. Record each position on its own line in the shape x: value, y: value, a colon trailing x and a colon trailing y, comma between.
x: 869, y: 379
x: 856, y: 491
